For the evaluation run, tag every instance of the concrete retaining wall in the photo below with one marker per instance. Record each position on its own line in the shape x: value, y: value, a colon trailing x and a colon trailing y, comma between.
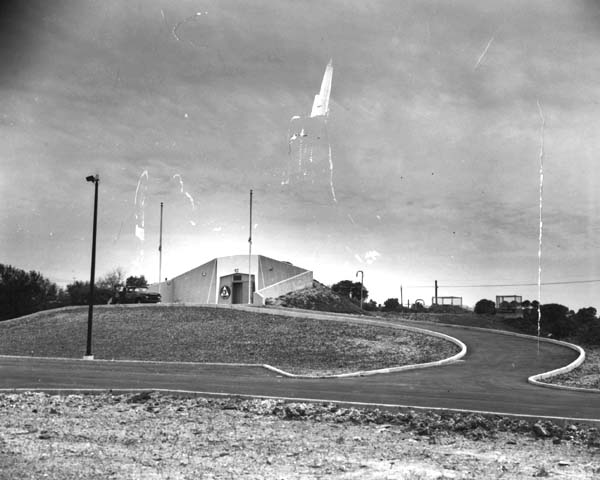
x: 300, y: 281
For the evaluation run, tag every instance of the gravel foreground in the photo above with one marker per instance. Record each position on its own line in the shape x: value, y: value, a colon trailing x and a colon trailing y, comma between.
x: 159, y: 436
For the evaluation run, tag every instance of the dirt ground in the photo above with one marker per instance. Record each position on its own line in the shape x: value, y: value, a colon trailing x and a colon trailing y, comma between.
x: 151, y: 435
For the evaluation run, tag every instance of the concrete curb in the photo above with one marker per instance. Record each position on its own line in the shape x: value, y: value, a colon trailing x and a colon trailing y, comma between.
x: 535, y: 379
x: 146, y: 362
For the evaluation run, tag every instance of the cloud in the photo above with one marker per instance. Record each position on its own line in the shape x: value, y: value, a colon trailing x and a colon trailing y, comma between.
x: 369, y: 257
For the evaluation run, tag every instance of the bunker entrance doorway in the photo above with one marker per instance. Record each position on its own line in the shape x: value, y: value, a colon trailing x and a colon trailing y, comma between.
x: 234, y: 288
x: 238, y: 293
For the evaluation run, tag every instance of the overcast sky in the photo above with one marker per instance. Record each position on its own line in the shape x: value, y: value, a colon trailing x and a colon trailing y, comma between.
x: 440, y: 114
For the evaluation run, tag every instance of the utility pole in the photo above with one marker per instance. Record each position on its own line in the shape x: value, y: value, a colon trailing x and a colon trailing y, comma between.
x: 250, y: 255
x: 95, y: 179
x: 401, y: 298
x: 361, y: 287
x: 436, y: 292
x: 160, y: 248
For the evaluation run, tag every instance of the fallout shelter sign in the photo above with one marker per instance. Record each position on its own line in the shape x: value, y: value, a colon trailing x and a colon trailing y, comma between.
x: 225, y: 292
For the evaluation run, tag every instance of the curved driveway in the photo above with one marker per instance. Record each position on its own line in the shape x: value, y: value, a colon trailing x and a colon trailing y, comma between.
x: 492, y: 377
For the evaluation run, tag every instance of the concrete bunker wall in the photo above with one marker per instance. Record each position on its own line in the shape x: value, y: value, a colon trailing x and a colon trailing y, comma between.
x: 271, y: 278
x: 196, y: 286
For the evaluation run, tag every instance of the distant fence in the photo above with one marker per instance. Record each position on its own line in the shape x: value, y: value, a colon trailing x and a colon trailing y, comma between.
x: 454, y: 301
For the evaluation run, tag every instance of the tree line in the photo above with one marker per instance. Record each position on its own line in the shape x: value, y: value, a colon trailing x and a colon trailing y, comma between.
x: 555, y: 320
x: 24, y: 292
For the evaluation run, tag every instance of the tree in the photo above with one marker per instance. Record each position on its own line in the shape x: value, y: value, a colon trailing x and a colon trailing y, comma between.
x: 555, y: 320
x: 343, y: 288
x: 391, y: 305
x: 22, y: 293
x: 485, y: 306
x: 350, y: 289
x: 136, y: 281
x: 112, y: 279
x: 587, y: 326
x: 79, y: 293
x: 585, y: 315
x: 370, y: 306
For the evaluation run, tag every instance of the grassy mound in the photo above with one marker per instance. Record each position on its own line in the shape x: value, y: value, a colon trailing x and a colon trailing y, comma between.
x: 318, y: 297
x: 205, y: 334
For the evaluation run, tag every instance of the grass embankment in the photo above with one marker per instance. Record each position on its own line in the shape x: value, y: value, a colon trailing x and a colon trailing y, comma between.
x: 204, y: 334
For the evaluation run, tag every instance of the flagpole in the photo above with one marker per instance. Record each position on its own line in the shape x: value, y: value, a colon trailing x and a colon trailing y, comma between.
x: 160, y: 247
x: 250, y: 255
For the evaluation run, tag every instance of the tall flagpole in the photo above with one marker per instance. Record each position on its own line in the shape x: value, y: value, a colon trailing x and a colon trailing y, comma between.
x: 250, y: 255
x: 160, y: 248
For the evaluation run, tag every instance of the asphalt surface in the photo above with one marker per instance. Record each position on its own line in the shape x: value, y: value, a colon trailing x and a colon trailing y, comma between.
x: 492, y: 377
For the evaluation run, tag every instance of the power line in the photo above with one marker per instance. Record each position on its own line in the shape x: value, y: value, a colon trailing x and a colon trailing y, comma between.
x: 572, y: 282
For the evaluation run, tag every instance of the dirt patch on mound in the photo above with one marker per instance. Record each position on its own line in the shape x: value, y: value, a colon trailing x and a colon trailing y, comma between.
x: 319, y: 298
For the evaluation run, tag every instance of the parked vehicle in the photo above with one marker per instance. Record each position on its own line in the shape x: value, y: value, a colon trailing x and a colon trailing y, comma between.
x: 135, y: 295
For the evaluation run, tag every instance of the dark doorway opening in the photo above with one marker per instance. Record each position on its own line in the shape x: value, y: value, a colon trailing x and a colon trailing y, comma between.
x: 237, y: 295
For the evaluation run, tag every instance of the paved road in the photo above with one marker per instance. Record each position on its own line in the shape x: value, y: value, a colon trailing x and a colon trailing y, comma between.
x: 492, y: 377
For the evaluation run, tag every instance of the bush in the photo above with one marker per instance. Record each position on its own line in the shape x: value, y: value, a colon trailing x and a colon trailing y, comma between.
x: 370, y: 306
x: 485, y: 306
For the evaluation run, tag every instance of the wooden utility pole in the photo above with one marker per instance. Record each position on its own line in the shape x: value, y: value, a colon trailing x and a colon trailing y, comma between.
x: 401, y: 298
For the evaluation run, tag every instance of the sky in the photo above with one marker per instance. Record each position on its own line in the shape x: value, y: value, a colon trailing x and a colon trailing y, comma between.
x: 442, y: 117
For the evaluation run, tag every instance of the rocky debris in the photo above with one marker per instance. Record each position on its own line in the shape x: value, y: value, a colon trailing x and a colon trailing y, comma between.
x: 424, y: 423
x: 540, y: 431
x: 156, y: 435
x: 142, y: 397
x: 431, y: 424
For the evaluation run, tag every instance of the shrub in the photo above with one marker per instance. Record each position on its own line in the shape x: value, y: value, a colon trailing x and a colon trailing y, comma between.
x: 485, y: 306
